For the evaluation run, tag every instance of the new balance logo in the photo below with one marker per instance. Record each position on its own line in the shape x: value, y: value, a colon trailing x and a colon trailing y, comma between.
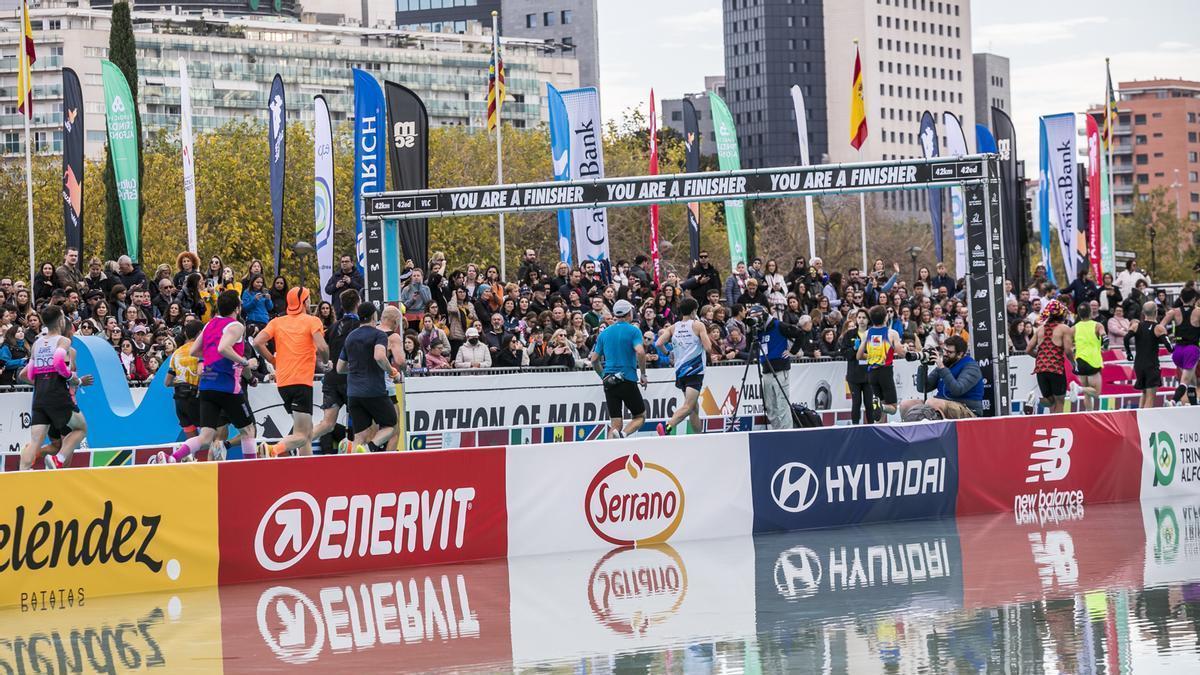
x: 1051, y: 457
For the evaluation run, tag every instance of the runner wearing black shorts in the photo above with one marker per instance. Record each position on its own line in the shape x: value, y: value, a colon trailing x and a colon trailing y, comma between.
x: 617, y: 352
x: 1145, y: 336
x: 333, y: 384
x: 364, y: 361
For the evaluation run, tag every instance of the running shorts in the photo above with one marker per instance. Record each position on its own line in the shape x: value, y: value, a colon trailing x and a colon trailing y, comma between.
x: 333, y: 396
x: 623, y: 395
x: 1186, y: 357
x: 1084, y: 369
x: 297, y: 398
x: 54, y: 414
x: 1052, y: 384
x: 883, y: 384
x: 187, y: 411
x: 690, y: 382
x: 218, y: 408
x: 367, y: 410
x: 1148, y: 378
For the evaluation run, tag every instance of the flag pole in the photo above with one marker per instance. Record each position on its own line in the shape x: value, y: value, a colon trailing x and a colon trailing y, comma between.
x: 862, y: 198
x: 25, y: 67
x: 499, y: 135
x: 1112, y: 139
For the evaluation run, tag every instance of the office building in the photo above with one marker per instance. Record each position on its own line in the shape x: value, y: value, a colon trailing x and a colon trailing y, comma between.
x: 569, y: 25
x: 769, y: 46
x: 672, y: 113
x: 916, y: 56
x: 1157, y: 144
x: 232, y: 60
x: 992, y: 88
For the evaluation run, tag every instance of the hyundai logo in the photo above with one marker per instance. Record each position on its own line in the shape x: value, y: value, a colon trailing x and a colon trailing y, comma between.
x: 794, y: 487
x: 798, y: 573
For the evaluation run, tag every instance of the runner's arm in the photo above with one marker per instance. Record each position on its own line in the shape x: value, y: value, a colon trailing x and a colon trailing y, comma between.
x: 231, y: 336
x: 396, y: 349
x: 665, y: 336
x: 1068, y: 343
x: 197, y: 350
x: 321, y: 345
x: 641, y: 357
x: 897, y: 343
x: 1033, y: 342
x: 260, y: 345
x: 381, y: 360
x: 705, y: 341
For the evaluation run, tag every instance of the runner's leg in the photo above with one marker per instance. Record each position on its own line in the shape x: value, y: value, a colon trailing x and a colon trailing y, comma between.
x: 37, y: 438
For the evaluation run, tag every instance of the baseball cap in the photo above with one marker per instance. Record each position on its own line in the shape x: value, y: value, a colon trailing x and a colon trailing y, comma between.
x: 622, y: 308
x: 140, y: 329
x: 471, y: 332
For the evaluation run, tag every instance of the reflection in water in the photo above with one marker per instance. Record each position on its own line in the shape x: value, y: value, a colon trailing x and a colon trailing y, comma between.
x: 1116, y: 591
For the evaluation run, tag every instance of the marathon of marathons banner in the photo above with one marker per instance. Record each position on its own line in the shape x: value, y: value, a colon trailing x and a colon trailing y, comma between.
x: 68, y: 537
x: 719, y: 186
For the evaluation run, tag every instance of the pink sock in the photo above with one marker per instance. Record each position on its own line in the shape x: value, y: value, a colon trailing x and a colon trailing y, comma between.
x: 248, y: 450
x: 189, y: 447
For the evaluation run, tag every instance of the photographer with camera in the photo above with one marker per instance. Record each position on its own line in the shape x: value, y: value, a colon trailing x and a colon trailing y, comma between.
x: 772, y: 335
x: 954, y: 376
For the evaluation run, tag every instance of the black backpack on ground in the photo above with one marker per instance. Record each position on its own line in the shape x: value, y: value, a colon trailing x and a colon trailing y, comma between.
x: 804, y: 417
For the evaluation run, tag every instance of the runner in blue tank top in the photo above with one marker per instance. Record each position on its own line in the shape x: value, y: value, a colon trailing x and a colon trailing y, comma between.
x: 689, y: 347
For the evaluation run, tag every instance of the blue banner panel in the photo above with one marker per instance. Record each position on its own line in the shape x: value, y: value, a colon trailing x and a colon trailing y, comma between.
x: 874, y: 570
x: 833, y: 477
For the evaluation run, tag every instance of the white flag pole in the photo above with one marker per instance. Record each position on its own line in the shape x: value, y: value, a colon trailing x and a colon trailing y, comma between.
x: 499, y: 135
x: 24, y: 67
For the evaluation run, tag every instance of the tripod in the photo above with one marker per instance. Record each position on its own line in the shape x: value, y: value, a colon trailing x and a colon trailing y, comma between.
x: 755, y: 349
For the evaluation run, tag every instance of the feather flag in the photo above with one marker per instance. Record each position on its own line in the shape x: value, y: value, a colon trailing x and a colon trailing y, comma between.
x: 858, y: 106
x: 1110, y: 109
x: 496, y: 89
x: 25, y: 66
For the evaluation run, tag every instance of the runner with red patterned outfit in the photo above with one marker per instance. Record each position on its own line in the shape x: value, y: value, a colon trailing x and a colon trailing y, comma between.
x: 1052, y: 344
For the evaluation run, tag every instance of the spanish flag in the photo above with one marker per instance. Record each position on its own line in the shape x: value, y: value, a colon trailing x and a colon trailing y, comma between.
x: 25, y: 64
x: 1110, y: 109
x: 858, y: 107
x: 495, y: 94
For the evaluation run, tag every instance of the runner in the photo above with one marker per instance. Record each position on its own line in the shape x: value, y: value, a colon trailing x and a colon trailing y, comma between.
x: 1052, y: 344
x: 1146, y: 335
x: 53, y: 413
x: 1187, y: 343
x: 618, y: 357
x: 333, y: 384
x: 689, y: 343
x: 183, y: 375
x: 1089, y: 361
x: 879, y: 347
x: 390, y: 323
x: 364, y: 361
x: 222, y: 397
x: 299, y: 346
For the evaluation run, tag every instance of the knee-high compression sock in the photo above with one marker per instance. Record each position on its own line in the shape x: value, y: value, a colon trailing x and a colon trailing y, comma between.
x: 248, y: 450
x: 1179, y: 392
x: 1191, y: 395
x: 190, y: 446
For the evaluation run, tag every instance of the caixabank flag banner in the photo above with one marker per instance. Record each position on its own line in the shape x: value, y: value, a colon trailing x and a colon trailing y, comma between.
x: 142, y: 632
x: 69, y: 537
x: 626, y: 493
x: 1170, y: 440
x: 825, y: 574
x: 1055, y: 557
x: 1051, y: 464
x: 422, y: 619
x: 586, y: 155
x: 306, y: 516
x: 831, y: 477
x: 631, y: 599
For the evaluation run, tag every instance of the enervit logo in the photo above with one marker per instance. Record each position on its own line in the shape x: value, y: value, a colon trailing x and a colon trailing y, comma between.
x: 798, y: 573
x: 794, y: 487
x: 1051, y: 457
x: 421, y: 609
x: 383, y: 524
x: 634, y: 503
x: 631, y: 590
x: 1162, y: 449
x: 1054, y: 554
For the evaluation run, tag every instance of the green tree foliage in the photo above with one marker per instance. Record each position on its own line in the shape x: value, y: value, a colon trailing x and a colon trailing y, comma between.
x: 1175, y: 244
x: 123, y: 53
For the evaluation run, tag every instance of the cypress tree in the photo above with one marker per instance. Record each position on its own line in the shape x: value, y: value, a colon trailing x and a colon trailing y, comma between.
x: 122, y: 52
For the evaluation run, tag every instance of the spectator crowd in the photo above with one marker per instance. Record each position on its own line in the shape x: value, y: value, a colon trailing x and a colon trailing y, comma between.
x: 467, y: 317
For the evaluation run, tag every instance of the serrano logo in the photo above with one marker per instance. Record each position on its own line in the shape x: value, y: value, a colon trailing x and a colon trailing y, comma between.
x: 383, y: 524
x: 1051, y: 456
x: 634, y: 503
x: 631, y: 590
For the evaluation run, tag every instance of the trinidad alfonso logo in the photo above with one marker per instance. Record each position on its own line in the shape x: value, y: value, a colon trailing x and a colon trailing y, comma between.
x: 634, y: 503
x: 1162, y: 448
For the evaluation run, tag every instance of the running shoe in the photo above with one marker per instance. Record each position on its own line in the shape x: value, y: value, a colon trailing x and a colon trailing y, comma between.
x: 216, y: 452
x: 160, y: 458
x: 361, y: 449
x: 661, y: 429
x: 263, y: 451
x: 153, y: 459
x: 278, y: 450
x: 53, y: 462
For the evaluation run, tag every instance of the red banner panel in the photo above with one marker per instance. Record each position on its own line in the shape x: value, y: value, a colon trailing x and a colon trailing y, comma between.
x: 309, y: 516
x: 1047, y: 465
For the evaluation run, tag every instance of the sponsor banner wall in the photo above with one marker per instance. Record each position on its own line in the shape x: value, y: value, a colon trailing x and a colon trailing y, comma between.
x: 830, y: 477
x: 1056, y: 555
x: 1172, y: 541
x: 309, y: 516
x: 105, y: 532
x: 144, y: 632
x: 1055, y: 463
x: 633, y: 492
x: 423, y: 619
x: 864, y: 571
x: 631, y: 599
x: 1170, y: 442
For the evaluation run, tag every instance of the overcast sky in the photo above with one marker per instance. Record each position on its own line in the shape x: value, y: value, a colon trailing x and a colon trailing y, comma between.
x: 1056, y: 48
